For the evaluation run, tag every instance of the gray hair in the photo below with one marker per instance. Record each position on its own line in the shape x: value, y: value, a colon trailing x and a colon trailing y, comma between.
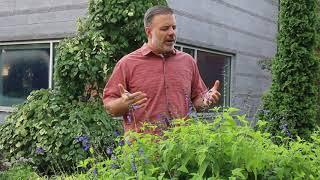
x: 153, y: 11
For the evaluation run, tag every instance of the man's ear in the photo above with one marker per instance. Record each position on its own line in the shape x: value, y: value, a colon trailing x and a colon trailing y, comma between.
x: 148, y: 31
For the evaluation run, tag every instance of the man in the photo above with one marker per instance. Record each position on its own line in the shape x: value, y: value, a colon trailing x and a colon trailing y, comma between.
x: 157, y: 83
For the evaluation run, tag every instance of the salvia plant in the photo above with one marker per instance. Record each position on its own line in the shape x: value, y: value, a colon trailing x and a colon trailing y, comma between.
x: 221, y: 149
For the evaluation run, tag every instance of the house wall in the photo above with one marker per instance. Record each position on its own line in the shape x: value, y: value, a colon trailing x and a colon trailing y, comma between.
x: 244, y: 28
x: 39, y: 19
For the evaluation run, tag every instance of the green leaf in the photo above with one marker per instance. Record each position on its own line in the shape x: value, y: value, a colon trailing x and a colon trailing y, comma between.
x: 183, y: 169
x: 203, y: 167
x: 18, y: 144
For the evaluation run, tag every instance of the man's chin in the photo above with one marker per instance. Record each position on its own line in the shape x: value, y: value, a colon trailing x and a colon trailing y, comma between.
x: 168, y: 49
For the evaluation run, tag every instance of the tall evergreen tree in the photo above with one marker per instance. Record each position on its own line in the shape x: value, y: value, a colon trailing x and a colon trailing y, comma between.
x: 292, y: 103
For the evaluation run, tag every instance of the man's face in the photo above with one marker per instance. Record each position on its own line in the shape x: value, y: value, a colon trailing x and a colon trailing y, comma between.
x: 162, y: 33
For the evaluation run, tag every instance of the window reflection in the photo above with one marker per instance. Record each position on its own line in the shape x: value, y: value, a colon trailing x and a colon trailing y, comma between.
x: 214, y: 67
x: 189, y: 51
x: 24, y: 68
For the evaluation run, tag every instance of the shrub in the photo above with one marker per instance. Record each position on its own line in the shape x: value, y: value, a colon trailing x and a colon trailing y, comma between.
x: 109, y: 31
x: 293, y: 98
x: 209, y: 150
x: 19, y: 172
x: 55, y: 133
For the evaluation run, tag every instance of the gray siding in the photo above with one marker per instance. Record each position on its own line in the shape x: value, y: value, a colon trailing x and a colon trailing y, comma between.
x: 244, y: 28
x: 39, y: 19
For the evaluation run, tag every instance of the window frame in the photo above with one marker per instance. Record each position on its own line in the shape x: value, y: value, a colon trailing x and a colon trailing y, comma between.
x: 231, y: 56
x: 51, y: 60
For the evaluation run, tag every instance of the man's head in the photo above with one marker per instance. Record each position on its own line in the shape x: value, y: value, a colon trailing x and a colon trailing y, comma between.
x: 160, y: 27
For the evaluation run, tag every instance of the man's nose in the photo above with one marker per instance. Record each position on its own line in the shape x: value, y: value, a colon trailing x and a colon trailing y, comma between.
x: 172, y: 31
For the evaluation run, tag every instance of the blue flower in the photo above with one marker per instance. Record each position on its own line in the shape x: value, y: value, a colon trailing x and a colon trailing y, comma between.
x: 84, y: 140
x: 95, y: 171
x: 86, y: 147
x: 285, y: 129
x: 133, y: 167
x: 116, y: 133
x: 39, y: 150
x: 114, y: 166
x: 121, y: 143
x: 141, y: 151
x: 109, y: 150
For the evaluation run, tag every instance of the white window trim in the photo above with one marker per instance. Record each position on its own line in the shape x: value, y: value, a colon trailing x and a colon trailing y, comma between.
x: 50, y: 42
x: 204, y: 50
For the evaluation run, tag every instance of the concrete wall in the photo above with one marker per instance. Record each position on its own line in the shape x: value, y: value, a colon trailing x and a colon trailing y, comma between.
x: 39, y: 19
x: 244, y: 28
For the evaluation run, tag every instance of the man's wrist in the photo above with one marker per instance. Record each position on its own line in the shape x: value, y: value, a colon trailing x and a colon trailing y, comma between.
x: 200, y: 104
x: 117, y: 107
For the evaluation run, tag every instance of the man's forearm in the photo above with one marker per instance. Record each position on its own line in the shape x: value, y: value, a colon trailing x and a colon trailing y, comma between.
x: 116, y: 107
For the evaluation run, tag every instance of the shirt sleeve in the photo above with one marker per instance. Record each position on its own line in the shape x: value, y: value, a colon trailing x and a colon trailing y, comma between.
x: 198, y: 88
x: 119, y: 76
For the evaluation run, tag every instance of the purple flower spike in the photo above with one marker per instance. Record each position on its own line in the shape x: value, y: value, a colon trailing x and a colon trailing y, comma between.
x: 135, y: 107
x: 116, y: 133
x: 133, y: 167
x: 95, y: 171
x: 141, y: 151
x: 39, y: 150
x: 129, y: 118
x: 121, y: 143
x: 109, y: 150
x: 86, y: 147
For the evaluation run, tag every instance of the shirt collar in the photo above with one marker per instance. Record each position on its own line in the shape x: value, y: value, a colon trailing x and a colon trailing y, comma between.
x: 145, y: 49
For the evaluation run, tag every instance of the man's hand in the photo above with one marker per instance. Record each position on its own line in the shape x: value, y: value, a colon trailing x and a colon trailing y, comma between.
x: 127, y: 101
x: 132, y: 100
x: 212, y: 96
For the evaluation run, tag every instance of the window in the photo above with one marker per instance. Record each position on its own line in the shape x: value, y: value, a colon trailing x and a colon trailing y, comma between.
x: 212, y: 66
x: 24, y: 68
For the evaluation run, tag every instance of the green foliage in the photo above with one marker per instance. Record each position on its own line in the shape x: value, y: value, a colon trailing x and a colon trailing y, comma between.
x: 45, y: 128
x: 293, y: 98
x: 318, y: 26
x: 82, y: 61
x: 20, y: 172
x: 111, y: 29
x: 210, y: 150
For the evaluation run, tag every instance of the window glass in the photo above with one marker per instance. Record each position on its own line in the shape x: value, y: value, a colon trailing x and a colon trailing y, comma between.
x: 214, y: 67
x: 189, y: 51
x: 177, y: 48
x: 23, y: 68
